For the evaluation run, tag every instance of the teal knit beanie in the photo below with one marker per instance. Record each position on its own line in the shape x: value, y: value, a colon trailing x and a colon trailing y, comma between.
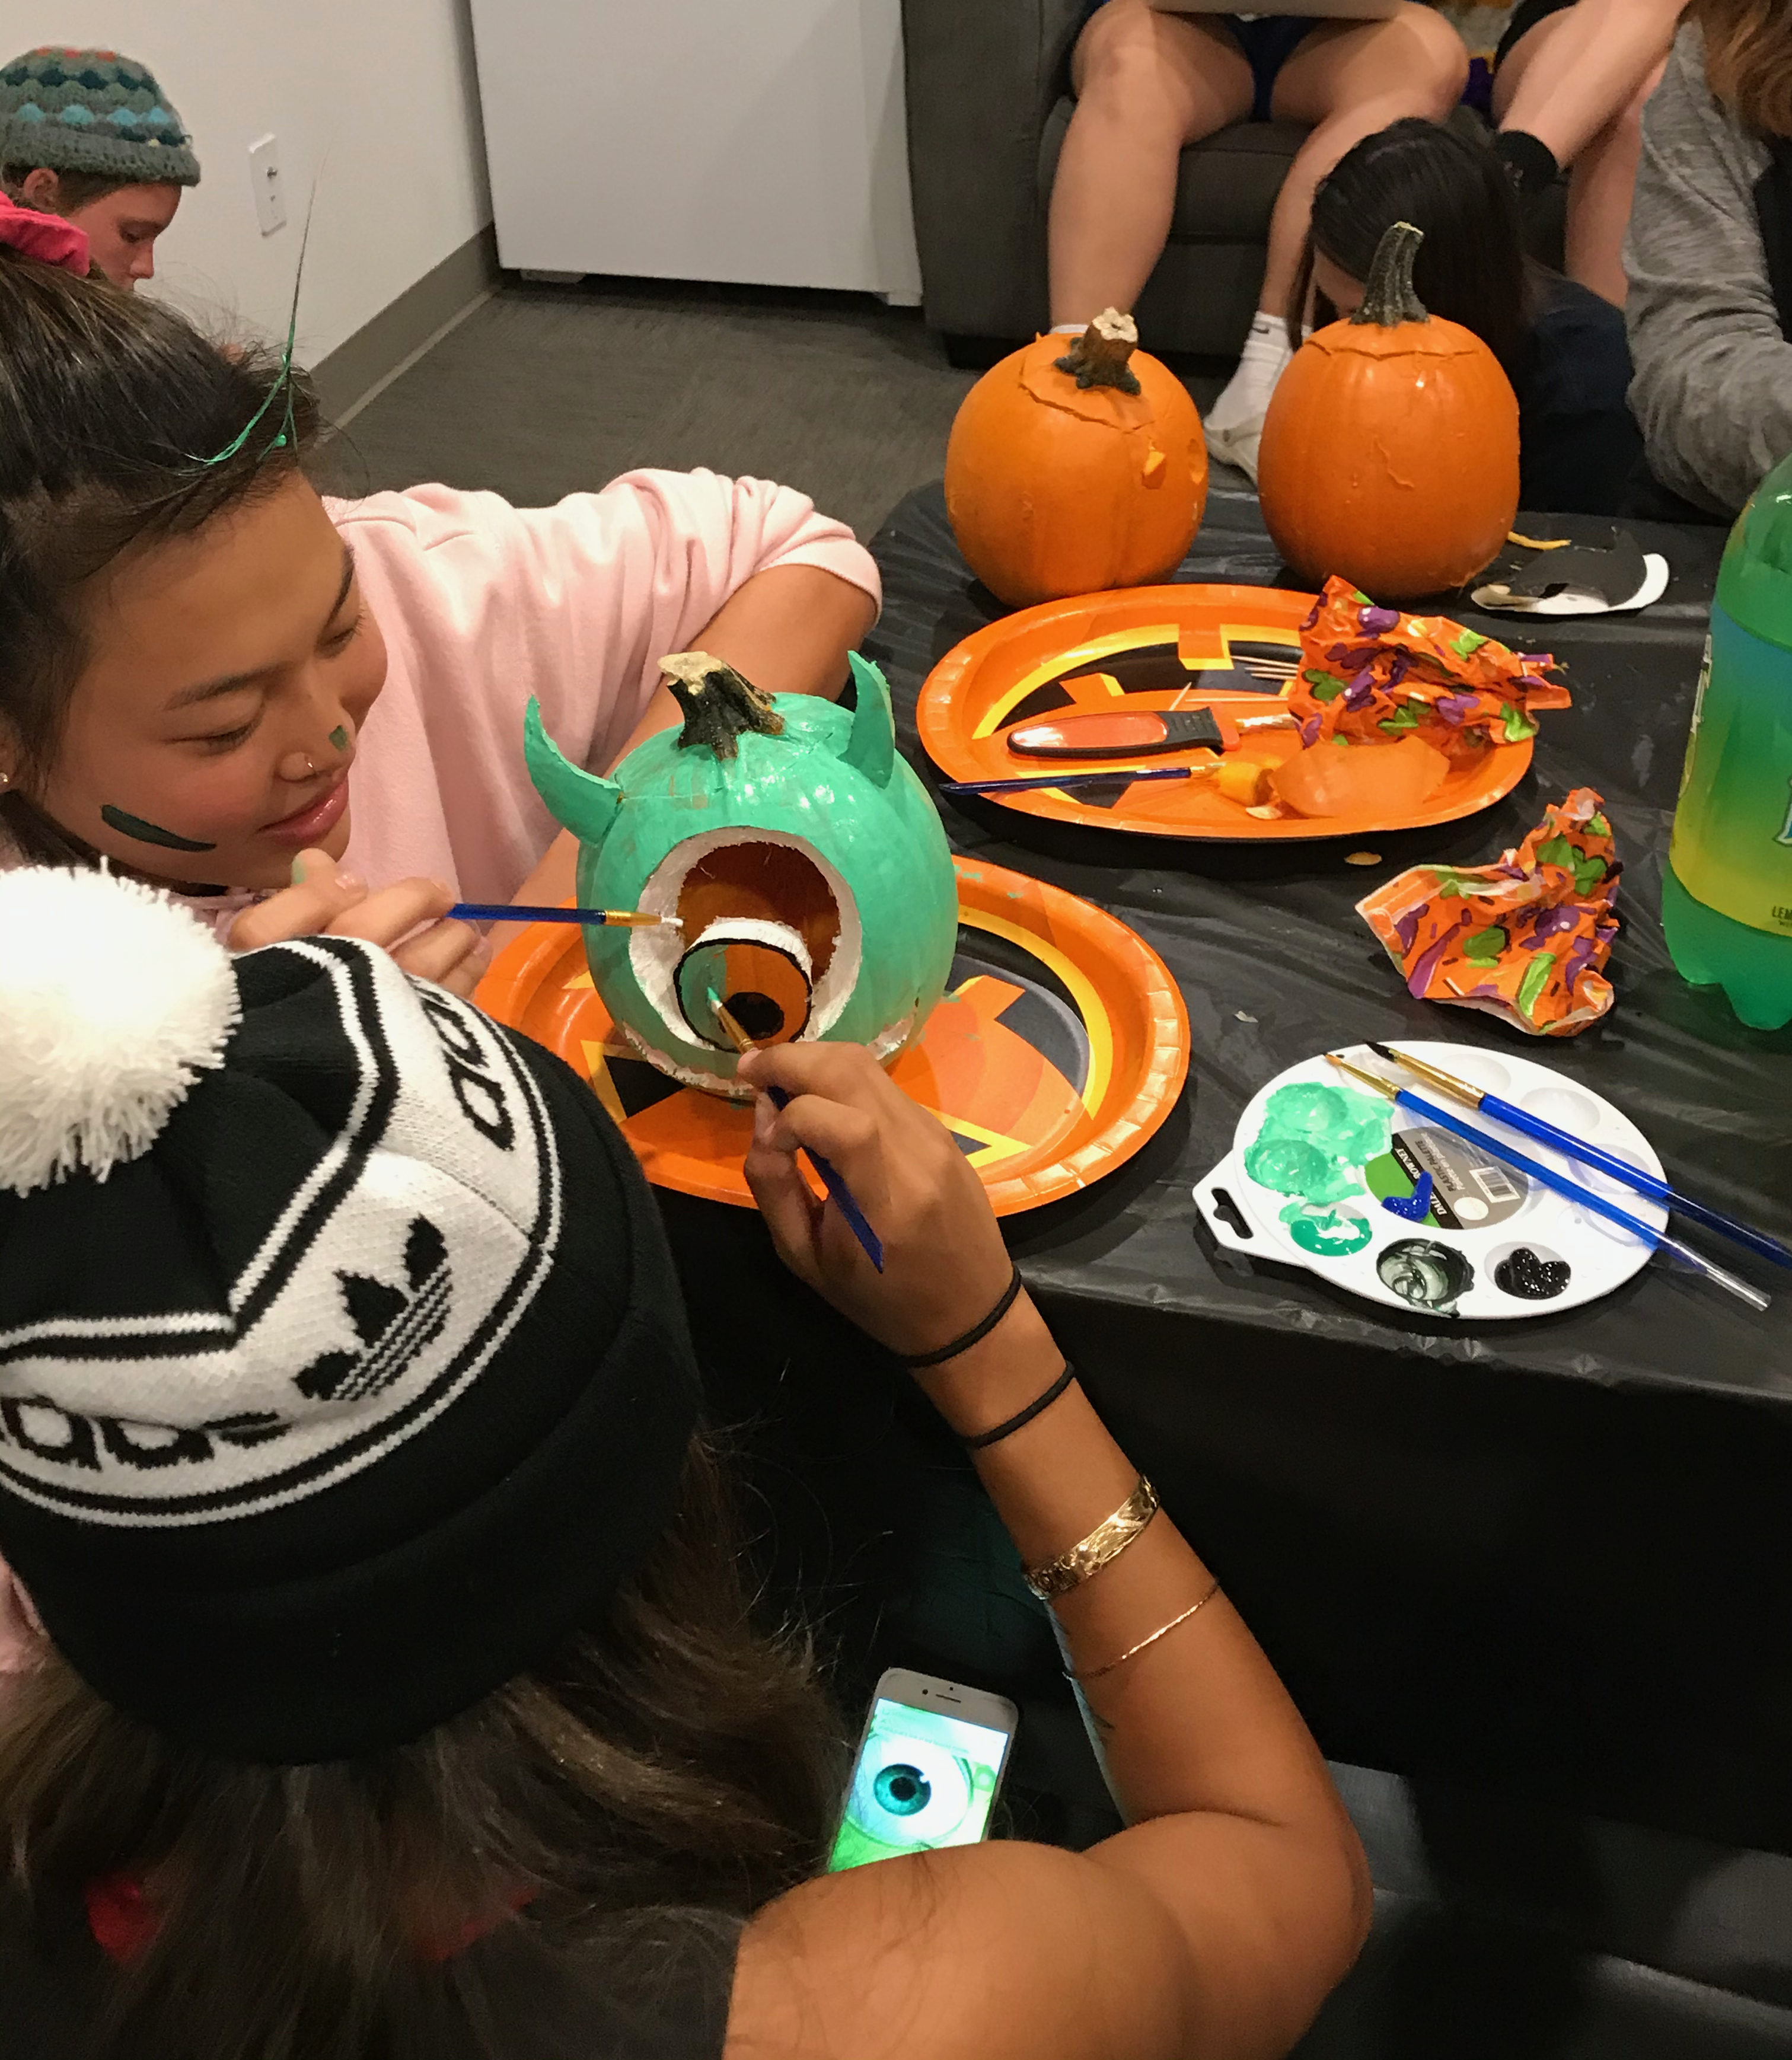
x: 92, y: 111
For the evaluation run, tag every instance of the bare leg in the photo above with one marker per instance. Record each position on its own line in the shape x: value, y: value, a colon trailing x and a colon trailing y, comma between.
x: 1599, y: 190
x: 1146, y: 84
x: 1562, y: 82
x: 1348, y: 81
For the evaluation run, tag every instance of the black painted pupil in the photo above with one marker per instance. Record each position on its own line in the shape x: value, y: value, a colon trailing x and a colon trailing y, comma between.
x: 757, y: 1014
x: 903, y: 1791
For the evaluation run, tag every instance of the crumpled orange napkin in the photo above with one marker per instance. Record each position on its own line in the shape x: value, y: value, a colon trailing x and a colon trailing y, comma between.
x: 1376, y: 674
x: 1526, y: 940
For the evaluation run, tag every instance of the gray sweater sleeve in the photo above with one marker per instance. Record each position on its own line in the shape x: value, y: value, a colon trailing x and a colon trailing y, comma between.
x: 1713, y: 390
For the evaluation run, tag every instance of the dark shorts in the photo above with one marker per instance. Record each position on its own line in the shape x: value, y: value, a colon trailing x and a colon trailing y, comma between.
x: 1525, y: 16
x: 1267, y: 43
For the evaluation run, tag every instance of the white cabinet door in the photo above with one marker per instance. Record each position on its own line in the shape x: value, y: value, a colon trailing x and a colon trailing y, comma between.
x: 759, y: 141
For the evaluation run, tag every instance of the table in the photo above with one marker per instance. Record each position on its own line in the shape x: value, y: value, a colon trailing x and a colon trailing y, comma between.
x: 1551, y: 1557
x: 1551, y: 1552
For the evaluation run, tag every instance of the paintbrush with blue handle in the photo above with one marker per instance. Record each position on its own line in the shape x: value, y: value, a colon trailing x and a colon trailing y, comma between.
x: 524, y: 912
x: 1565, y: 1141
x: 1559, y: 1182
x: 838, y: 1192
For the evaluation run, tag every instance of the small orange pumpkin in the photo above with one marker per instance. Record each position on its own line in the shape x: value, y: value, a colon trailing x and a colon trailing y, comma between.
x: 1072, y: 470
x: 1389, y: 455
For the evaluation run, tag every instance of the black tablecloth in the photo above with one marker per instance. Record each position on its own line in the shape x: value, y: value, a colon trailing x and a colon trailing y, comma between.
x: 1554, y: 1553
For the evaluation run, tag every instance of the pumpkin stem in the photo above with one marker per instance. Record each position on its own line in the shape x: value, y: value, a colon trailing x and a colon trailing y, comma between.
x: 1388, y: 299
x: 719, y: 704
x: 1099, y: 355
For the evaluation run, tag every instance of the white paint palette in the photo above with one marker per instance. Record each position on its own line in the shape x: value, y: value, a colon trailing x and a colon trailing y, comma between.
x: 1496, y: 1245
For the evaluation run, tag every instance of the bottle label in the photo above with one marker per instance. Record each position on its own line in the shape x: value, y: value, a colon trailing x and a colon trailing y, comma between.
x: 1733, y: 828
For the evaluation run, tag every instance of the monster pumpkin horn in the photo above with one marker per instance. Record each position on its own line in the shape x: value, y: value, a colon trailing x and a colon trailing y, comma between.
x: 582, y: 802
x: 719, y: 704
x: 872, y: 746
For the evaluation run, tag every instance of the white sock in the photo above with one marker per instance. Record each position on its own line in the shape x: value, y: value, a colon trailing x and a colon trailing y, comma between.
x: 1241, y: 408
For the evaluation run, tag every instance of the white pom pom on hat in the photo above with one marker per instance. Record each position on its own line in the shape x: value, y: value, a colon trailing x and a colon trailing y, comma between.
x: 114, y: 1000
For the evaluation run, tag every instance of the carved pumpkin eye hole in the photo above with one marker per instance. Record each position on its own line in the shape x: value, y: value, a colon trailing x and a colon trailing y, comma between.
x: 760, y: 972
x: 773, y: 882
x: 766, y: 920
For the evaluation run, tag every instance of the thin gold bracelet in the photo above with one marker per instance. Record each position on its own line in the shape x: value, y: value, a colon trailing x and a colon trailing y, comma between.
x: 1132, y: 1652
x: 1104, y: 1544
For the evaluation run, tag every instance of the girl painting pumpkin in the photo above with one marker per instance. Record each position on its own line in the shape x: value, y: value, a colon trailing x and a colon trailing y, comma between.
x: 215, y: 679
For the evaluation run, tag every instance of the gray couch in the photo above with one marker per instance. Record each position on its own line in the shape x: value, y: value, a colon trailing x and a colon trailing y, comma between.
x: 988, y: 102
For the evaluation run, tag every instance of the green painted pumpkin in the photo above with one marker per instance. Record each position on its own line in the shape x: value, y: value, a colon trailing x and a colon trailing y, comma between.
x: 804, y: 857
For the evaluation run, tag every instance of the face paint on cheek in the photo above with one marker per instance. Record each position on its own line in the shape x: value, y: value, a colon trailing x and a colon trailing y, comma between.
x: 134, y: 826
x: 339, y: 738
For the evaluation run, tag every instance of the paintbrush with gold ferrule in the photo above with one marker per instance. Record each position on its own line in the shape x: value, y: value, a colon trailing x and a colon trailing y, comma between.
x: 1546, y: 1176
x: 1608, y: 1162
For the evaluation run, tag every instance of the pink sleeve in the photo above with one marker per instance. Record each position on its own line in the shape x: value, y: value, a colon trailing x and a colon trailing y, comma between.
x: 484, y: 604
x: 646, y: 564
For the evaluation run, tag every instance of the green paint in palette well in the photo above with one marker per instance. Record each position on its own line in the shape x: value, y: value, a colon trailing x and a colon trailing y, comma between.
x: 1316, y: 1141
x: 1327, y: 1233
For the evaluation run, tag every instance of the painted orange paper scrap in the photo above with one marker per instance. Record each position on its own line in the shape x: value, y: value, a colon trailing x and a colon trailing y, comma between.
x: 1373, y: 675
x: 1526, y: 940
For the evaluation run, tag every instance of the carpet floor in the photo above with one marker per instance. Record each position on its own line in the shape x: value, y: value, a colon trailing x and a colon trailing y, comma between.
x: 547, y: 390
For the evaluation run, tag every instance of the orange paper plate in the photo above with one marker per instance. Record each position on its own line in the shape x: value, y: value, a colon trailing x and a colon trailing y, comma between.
x: 1143, y: 645
x: 1059, y: 1048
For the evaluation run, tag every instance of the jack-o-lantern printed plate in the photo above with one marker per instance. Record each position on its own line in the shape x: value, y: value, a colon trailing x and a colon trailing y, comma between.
x: 1169, y: 650
x: 1060, y: 1046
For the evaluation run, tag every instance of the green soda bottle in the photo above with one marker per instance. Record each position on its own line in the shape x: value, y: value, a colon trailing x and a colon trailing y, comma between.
x: 1726, y: 892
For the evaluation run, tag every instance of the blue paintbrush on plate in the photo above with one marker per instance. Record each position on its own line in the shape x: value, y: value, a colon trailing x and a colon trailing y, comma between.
x: 1565, y: 1142
x: 1546, y: 1176
x: 1106, y: 775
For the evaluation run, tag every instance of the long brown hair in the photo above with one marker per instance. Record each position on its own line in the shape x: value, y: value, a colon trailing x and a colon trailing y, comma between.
x: 1748, y: 59
x: 673, y: 1758
x: 1471, y: 268
x: 120, y: 425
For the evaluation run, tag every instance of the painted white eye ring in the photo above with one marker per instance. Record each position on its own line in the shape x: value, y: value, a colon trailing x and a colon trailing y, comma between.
x: 654, y: 955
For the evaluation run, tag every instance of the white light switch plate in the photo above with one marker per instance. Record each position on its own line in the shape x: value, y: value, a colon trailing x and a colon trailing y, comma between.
x: 263, y: 171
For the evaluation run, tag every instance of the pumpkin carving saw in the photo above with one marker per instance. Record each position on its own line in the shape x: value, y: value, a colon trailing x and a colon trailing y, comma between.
x: 808, y: 867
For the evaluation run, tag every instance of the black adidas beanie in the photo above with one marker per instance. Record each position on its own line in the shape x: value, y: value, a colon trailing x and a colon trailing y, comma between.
x: 343, y: 1367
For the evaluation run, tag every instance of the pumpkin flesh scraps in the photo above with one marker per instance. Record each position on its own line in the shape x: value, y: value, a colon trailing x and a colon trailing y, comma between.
x: 1390, y: 453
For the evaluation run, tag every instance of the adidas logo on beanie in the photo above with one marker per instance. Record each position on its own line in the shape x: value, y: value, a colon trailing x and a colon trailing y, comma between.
x: 342, y: 1365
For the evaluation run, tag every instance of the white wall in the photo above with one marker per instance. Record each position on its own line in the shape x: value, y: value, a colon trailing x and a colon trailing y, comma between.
x: 373, y: 100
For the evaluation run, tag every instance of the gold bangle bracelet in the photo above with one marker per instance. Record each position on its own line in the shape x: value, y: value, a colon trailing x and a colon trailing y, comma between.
x: 1132, y: 1652
x: 1104, y: 1544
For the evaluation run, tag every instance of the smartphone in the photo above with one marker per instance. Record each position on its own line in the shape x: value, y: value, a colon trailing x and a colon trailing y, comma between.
x: 927, y: 1771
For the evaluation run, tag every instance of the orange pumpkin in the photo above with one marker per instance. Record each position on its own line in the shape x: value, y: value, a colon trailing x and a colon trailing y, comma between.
x: 1389, y: 455
x: 1076, y: 466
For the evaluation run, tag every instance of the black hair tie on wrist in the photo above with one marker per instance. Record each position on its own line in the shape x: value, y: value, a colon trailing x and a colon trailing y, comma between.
x: 1023, y: 1417
x: 976, y: 1333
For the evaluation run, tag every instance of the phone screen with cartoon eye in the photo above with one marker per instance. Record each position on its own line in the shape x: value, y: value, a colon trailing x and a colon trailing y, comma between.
x: 923, y: 1780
